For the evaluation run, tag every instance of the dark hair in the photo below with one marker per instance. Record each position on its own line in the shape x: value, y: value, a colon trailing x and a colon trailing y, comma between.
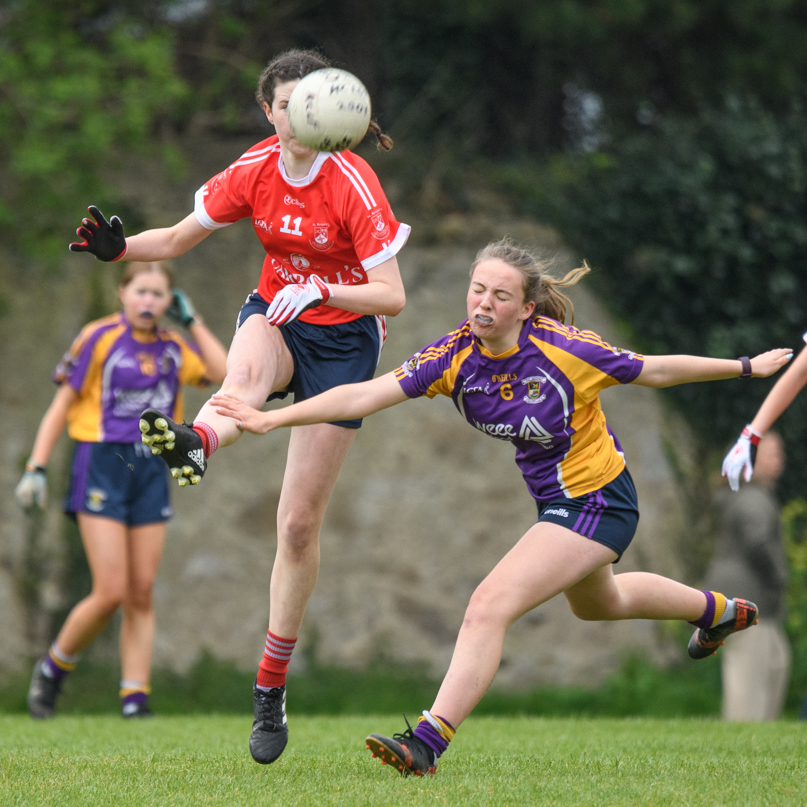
x: 538, y: 284
x: 293, y: 65
x: 135, y: 268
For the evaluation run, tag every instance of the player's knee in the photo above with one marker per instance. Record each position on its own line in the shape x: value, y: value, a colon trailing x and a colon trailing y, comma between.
x: 242, y: 376
x: 298, y: 534
x: 484, y: 609
x: 108, y: 599
x: 139, y: 598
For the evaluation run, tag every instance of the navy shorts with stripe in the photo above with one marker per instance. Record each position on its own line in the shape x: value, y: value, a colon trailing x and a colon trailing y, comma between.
x: 122, y: 481
x: 325, y: 356
x: 608, y: 516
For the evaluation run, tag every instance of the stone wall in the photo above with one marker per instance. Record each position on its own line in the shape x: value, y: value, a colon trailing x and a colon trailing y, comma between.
x: 424, y: 506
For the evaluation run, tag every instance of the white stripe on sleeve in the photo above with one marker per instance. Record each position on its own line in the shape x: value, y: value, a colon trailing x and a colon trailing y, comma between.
x: 388, y: 252
x: 201, y: 214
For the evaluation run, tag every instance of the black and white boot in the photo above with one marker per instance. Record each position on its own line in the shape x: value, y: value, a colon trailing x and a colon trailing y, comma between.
x: 177, y: 443
x: 270, y: 732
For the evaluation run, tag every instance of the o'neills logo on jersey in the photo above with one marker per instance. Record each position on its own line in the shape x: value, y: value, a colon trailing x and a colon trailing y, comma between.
x: 321, y: 240
x: 533, y: 384
x: 290, y: 200
x: 262, y: 225
x: 380, y: 227
x: 299, y: 262
x: 532, y: 430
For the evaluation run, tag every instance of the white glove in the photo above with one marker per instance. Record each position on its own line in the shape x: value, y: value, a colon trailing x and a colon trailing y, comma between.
x: 741, y: 457
x: 295, y: 298
x: 32, y: 489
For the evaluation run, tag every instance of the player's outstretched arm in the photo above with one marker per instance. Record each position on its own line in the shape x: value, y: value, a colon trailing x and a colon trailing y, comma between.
x: 739, y: 462
x: 348, y: 402
x: 782, y: 394
x: 667, y: 371
x: 105, y: 239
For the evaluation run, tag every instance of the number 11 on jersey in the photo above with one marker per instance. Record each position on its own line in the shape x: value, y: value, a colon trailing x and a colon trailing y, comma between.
x: 285, y: 228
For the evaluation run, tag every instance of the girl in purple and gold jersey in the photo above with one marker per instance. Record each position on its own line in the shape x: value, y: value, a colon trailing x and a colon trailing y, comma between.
x: 118, y: 492
x: 515, y: 372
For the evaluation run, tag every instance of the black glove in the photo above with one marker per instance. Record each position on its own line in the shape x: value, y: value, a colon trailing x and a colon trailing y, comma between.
x: 103, y: 238
x: 181, y: 309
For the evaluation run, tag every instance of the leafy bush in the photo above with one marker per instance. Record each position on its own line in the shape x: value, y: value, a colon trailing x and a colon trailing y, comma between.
x: 698, y: 230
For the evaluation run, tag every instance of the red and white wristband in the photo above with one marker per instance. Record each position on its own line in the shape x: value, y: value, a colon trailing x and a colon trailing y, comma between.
x: 753, y: 437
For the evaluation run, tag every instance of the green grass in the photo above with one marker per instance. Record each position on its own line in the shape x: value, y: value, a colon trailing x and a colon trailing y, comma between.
x: 203, y: 761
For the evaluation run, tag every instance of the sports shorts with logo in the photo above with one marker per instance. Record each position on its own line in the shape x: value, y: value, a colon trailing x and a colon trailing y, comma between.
x: 122, y: 481
x: 608, y: 516
x: 325, y: 356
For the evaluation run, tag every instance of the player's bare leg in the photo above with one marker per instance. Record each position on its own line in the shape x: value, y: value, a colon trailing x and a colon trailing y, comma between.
x: 144, y: 551
x: 258, y: 363
x: 547, y: 560
x: 105, y: 546
x: 633, y: 595
x: 315, y: 456
x: 104, y: 542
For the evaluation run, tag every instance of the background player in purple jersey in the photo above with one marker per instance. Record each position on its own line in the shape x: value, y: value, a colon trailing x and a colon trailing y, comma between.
x: 517, y: 373
x: 118, y: 492
x: 740, y: 460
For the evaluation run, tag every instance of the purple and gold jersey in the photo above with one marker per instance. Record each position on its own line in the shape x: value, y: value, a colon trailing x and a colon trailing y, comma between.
x: 117, y: 376
x: 542, y: 396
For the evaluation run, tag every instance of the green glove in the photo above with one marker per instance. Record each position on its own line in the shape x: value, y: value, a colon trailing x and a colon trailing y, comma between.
x: 181, y: 310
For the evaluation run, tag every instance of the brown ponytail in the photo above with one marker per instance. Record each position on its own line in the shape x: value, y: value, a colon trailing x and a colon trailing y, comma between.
x: 383, y: 142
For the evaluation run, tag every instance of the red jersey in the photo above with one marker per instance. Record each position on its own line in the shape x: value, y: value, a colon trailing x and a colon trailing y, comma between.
x: 335, y: 223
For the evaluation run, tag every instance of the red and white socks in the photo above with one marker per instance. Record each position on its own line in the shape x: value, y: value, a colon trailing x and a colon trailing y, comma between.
x: 275, y: 662
x: 210, y: 440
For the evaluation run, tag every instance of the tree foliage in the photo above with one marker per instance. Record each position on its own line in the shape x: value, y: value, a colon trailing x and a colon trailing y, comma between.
x: 699, y: 230
x: 79, y: 89
x: 85, y: 83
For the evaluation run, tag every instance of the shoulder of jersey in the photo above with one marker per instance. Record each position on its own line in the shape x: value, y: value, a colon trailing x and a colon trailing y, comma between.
x: 450, y: 343
x: 96, y: 328
x: 259, y: 156
x: 356, y: 174
x: 551, y: 330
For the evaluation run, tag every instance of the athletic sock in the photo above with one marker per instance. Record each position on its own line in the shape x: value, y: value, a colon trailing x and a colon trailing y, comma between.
x: 210, y: 440
x: 132, y: 695
x: 57, y: 664
x: 435, y: 731
x: 275, y: 662
x: 719, y: 609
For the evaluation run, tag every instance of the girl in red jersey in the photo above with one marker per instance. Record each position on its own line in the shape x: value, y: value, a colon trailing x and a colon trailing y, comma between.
x: 316, y: 320
x: 515, y: 372
x: 118, y: 491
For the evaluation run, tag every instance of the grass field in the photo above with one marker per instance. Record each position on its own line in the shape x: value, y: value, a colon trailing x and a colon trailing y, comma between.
x: 92, y: 760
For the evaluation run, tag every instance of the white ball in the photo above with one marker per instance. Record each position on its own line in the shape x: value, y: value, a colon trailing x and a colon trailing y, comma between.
x: 329, y: 110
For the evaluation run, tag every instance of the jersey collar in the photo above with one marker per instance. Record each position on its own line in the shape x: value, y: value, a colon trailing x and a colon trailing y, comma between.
x: 506, y: 355
x: 312, y: 174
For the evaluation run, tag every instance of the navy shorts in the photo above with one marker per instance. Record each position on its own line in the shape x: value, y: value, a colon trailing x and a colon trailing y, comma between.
x: 608, y: 516
x: 325, y: 356
x: 123, y: 481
